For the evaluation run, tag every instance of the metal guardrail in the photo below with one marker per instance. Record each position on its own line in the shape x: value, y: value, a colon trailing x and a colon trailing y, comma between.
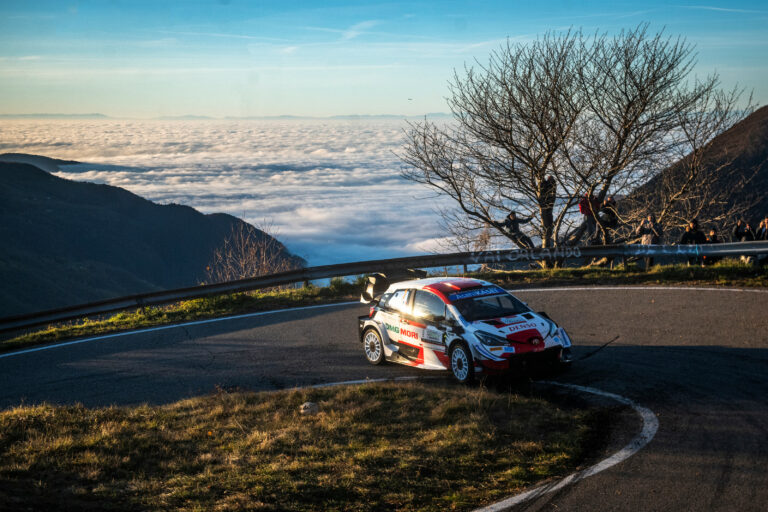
x: 384, y: 266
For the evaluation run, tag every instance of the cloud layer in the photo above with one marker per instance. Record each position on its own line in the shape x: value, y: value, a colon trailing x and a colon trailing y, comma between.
x: 331, y: 188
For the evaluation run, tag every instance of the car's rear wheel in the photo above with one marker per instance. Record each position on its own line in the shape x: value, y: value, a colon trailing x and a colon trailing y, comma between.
x: 373, y: 346
x: 462, y: 367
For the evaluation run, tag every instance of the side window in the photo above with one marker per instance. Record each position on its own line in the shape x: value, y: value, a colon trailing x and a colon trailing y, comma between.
x: 398, y: 301
x: 428, y: 305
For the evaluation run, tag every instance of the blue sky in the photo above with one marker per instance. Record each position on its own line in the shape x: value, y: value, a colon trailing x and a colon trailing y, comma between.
x: 237, y: 58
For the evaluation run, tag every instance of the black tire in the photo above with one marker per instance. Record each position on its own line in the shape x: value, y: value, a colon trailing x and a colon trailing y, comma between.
x: 373, y: 347
x: 462, y: 366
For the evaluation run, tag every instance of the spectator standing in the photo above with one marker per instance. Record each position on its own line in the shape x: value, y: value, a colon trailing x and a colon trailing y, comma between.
x: 693, y: 236
x: 742, y: 232
x: 609, y: 218
x: 588, y: 207
x: 650, y: 233
x: 549, y: 196
x: 511, y: 225
x: 762, y: 234
x: 712, y: 238
x: 762, y: 230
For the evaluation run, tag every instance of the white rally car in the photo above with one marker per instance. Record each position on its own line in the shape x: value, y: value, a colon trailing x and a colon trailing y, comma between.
x: 468, y: 326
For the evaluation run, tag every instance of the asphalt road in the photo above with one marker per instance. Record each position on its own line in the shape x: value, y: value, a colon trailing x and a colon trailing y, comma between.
x: 697, y: 358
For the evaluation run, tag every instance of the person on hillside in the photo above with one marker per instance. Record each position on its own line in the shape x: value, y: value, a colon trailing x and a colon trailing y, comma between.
x: 650, y: 234
x: 712, y: 238
x: 549, y: 196
x: 588, y: 207
x: 693, y: 236
x: 762, y: 234
x: 762, y: 230
x: 608, y: 217
x: 742, y: 232
x: 511, y: 226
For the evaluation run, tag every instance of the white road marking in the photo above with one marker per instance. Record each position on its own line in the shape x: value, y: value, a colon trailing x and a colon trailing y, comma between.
x: 650, y: 426
x: 173, y: 326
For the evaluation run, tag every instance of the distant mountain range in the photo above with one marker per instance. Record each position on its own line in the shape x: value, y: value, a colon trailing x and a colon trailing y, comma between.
x: 53, y: 116
x: 67, y: 242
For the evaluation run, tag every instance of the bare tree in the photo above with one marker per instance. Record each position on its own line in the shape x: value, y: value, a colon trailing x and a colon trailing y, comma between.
x: 249, y: 252
x: 513, y: 115
x: 601, y: 115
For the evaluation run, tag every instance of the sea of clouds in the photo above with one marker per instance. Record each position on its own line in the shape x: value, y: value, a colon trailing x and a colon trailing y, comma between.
x: 330, y: 188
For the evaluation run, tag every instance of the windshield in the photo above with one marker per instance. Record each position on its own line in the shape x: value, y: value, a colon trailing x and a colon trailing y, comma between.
x: 493, y: 306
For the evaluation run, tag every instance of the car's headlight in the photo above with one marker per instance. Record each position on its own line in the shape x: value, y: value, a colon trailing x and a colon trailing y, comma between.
x: 490, y: 339
x: 552, y: 328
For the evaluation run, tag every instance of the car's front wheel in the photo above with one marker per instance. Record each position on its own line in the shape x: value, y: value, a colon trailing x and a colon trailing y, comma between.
x: 373, y: 346
x: 462, y: 367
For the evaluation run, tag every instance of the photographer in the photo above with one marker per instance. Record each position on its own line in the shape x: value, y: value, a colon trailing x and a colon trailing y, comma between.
x: 650, y: 234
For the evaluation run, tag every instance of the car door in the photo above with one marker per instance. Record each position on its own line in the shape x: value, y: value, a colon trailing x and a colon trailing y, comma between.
x: 424, y: 327
x: 429, y: 315
x: 391, y: 312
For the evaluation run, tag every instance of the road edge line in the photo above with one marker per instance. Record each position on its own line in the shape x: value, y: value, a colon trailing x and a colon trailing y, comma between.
x: 646, y: 435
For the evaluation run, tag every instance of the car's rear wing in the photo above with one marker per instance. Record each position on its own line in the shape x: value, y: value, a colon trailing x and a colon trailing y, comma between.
x: 375, y: 285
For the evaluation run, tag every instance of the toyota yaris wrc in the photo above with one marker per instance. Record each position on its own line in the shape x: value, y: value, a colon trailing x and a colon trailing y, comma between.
x: 467, y: 326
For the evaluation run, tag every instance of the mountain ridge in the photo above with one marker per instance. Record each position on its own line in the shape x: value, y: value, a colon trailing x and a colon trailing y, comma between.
x: 69, y: 242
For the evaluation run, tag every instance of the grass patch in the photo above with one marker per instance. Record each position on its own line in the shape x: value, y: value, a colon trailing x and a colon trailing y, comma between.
x: 726, y: 273
x: 403, y: 446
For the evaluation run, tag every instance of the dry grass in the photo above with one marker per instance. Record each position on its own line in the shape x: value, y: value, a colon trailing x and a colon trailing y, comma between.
x: 403, y: 446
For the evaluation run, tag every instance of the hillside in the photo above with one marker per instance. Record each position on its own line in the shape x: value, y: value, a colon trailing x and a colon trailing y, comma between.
x: 68, y: 242
x: 740, y: 152
x: 748, y: 140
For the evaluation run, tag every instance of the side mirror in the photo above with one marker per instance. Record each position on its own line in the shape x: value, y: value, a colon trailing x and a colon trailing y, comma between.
x: 455, y: 327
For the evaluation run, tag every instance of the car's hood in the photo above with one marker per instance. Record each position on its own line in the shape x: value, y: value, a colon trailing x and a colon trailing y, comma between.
x: 518, y: 328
